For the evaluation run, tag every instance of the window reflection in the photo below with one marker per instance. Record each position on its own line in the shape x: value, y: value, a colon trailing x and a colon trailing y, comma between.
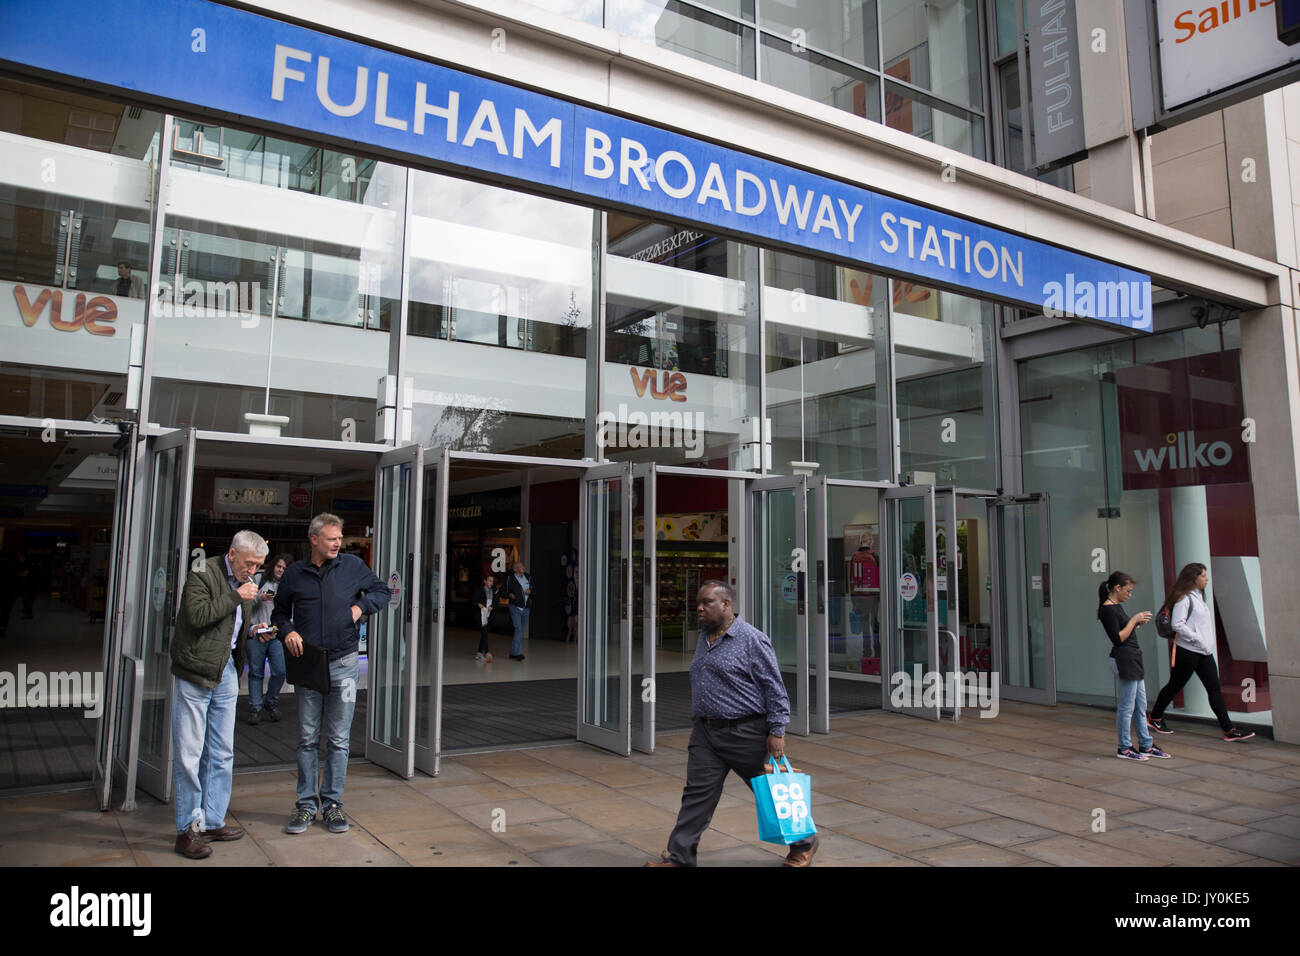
x: 682, y: 28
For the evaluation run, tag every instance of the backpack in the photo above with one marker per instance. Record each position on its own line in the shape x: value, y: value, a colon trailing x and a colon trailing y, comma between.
x: 1165, y: 624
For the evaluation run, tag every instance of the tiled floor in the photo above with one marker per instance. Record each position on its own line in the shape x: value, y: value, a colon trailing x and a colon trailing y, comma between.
x: 1035, y: 786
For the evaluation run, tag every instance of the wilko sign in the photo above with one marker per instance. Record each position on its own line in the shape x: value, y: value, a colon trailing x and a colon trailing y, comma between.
x: 671, y: 385
x: 1181, y: 423
x: 93, y: 313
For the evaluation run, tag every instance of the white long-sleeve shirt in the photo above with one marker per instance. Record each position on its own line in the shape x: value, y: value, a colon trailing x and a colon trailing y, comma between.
x: 1194, y: 622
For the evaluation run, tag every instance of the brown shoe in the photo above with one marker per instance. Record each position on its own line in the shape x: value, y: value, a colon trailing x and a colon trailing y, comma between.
x: 662, y: 861
x: 802, y: 857
x: 189, y: 844
x: 226, y: 834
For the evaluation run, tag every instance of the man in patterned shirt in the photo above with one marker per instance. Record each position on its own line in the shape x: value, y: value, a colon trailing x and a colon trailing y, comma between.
x: 741, y: 711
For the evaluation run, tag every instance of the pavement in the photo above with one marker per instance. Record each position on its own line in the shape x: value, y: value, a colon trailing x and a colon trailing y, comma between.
x: 1035, y: 786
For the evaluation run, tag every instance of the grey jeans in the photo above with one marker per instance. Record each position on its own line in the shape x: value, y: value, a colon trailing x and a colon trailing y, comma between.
x: 711, y: 753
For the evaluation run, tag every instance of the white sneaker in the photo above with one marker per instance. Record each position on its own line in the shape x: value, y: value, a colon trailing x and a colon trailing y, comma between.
x: 478, y: 656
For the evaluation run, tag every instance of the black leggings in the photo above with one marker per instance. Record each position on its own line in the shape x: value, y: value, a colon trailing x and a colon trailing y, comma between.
x: 1187, y: 663
x: 482, y: 640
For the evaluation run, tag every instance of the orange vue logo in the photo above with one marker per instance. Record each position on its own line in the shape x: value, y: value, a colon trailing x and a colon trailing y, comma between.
x: 673, y: 385
x: 91, y: 313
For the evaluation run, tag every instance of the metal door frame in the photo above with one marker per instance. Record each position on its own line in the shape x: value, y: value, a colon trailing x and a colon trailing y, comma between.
x: 1001, y: 576
x: 643, y: 737
x: 157, y: 781
x: 401, y: 762
x: 892, y: 604
x: 428, y: 754
x: 619, y: 741
x: 756, y: 492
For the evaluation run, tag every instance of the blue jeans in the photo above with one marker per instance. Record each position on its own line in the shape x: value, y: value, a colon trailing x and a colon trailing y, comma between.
x: 1130, y: 695
x: 336, y: 708
x: 258, y: 654
x: 203, y: 750
x: 519, y: 618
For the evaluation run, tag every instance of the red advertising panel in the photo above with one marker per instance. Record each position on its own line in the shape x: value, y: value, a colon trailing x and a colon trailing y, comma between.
x: 1181, y: 422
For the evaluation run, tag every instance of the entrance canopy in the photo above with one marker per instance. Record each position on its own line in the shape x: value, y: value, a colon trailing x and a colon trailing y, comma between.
x: 218, y: 58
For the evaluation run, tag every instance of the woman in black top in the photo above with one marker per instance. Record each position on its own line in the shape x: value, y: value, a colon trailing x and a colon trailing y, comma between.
x: 1126, y: 664
x: 485, y: 602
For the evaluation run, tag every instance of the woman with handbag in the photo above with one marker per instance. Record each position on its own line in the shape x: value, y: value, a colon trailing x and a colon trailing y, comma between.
x: 486, y: 600
x: 1126, y: 664
x: 1193, y: 623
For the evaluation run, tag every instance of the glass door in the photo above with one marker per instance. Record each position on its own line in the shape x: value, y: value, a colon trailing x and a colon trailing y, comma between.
x: 433, y: 614
x: 645, y: 603
x: 605, y: 624
x: 1024, y: 651
x: 391, y: 660
x: 116, y: 706
x: 910, y: 651
x: 167, y: 562
x: 948, y: 599
x: 779, y: 591
x: 819, y: 562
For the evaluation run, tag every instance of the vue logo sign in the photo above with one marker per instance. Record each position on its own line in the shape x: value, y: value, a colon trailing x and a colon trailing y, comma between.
x: 672, y: 385
x: 93, y: 314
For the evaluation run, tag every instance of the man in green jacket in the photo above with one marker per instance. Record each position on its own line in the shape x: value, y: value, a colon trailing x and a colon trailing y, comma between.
x: 207, y: 658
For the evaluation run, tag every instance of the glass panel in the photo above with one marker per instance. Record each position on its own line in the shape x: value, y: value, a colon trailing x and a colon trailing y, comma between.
x: 934, y: 120
x: 684, y: 29
x: 827, y: 339
x: 1112, y: 433
x: 934, y: 46
x: 853, y: 583
x: 1013, y: 131
x: 974, y: 583
x: 776, y: 522
x: 1024, y: 662
x: 502, y: 280
x: 1006, y: 15
x: 162, y: 592
x: 846, y: 28
x: 910, y: 642
x: 427, y: 660
x: 388, y: 650
x: 946, y: 401
x: 281, y: 307
x: 820, y: 78
x: 75, y: 225
x: 681, y: 354
x: 604, y: 603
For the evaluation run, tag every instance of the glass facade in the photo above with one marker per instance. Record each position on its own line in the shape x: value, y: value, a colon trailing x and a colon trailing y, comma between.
x: 1142, y: 449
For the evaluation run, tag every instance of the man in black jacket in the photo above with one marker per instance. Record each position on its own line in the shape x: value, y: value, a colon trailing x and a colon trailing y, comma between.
x: 519, y: 588
x: 321, y: 600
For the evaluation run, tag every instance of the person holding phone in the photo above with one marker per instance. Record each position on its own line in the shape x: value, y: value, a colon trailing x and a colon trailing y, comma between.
x: 1126, y: 664
x: 264, y: 645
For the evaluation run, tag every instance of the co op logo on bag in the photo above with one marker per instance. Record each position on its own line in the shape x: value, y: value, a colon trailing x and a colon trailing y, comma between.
x: 790, y: 800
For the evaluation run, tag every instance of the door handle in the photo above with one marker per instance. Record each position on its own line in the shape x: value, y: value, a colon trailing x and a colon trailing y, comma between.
x: 821, y: 586
x: 801, y: 580
x: 1047, y: 584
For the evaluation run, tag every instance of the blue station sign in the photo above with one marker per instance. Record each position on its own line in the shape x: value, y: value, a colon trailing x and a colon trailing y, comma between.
x: 234, y: 62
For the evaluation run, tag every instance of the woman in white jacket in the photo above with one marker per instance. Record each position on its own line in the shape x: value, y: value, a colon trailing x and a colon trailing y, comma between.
x: 1193, y: 620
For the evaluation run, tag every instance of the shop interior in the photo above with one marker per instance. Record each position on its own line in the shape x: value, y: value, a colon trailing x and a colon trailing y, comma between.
x: 56, y: 522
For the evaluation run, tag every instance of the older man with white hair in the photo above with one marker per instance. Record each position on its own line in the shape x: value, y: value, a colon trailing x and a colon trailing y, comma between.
x: 207, y: 658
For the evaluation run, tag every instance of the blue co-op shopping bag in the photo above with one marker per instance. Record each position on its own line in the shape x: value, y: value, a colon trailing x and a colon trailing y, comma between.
x: 784, y: 803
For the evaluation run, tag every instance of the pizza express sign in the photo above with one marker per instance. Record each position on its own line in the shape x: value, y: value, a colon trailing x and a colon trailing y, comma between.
x: 240, y: 496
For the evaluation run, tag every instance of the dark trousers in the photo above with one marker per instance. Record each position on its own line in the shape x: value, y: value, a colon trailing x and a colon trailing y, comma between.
x: 1187, y: 663
x: 712, y: 752
x: 482, y: 640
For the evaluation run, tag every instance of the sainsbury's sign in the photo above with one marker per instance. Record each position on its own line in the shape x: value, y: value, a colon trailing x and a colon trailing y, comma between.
x: 228, y: 60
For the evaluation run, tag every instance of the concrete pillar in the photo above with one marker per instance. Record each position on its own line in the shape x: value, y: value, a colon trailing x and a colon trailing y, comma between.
x: 1192, y: 544
x: 1270, y: 377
